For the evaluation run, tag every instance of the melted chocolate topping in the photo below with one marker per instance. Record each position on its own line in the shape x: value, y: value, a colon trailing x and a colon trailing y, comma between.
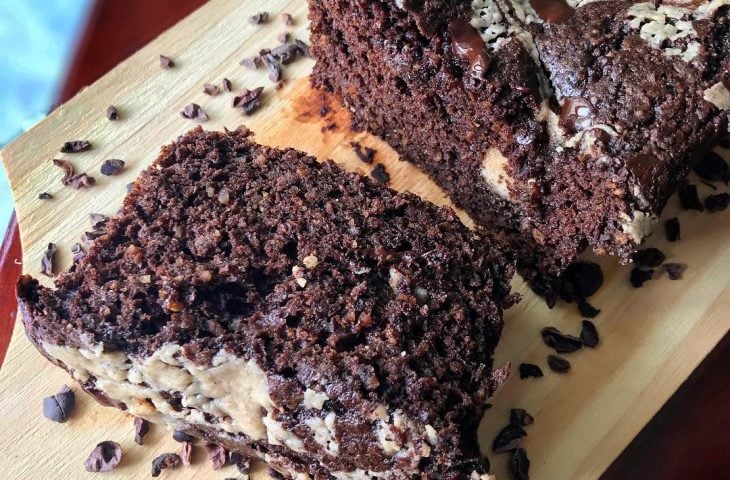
x: 467, y: 44
x: 576, y: 114
x: 552, y: 11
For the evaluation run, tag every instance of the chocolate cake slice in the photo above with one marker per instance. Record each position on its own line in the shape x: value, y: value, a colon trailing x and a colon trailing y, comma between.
x: 567, y: 123
x: 285, y: 309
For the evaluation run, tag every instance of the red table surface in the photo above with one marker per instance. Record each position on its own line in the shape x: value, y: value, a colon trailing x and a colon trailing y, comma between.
x: 688, y: 439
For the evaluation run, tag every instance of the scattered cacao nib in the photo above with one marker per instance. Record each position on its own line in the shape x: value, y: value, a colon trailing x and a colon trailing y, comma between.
x: 217, y: 454
x: 674, y: 270
x: 640, y: 275
x: 78, y: 252
x: 98, y: 220
x: 81, y: 180
x: 283, y: 37
x: 365, y: 155
x: 112, y: 113
x: 44, y: 196
x: 141, y: 428
x: 273, y: 66
x: 586, y: 309
x: 520, y: 417
x: 59, y: 407
x: 70, y: 178
x: 112, y: 166
x: 530, y: 370
x: 712, y: 168
x: 210, y: 89
x: 166, y: 62
x: 561, y: 343
x: 252, y: 63
x: 508, y: 438
x: 380, y: 174
x: 648, y: 257
x: 303, y: 48
x: 287, y: 19
x: 248, y: 100
x: 48, y: 260
x: 672, y: 230
x: 194, y: 111
x: 688, y: 198
x: 286, y: 53
x: 519, y: 465
x: 75, y: 146
x: 581, y: 280
x: 558, y: 364
x: 227, y: 85
x: 589, y: 334
x: 164, y: 461
x: 717, y: 203
x: 87, y: 238
x: 180, y: 436
x: 186, y: 453
x: 259, y: 18
x: 104, y: 458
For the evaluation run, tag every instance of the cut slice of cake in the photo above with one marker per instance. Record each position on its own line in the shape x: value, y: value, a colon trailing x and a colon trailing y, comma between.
x: 567, y: 123
x: 285, y: 309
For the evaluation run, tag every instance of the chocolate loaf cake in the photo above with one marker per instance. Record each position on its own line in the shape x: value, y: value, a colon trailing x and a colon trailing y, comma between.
x: 285, y: 309
x: 566, y: 123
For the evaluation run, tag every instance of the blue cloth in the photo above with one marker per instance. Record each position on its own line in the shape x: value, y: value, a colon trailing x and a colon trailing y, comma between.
x: 37, y: 38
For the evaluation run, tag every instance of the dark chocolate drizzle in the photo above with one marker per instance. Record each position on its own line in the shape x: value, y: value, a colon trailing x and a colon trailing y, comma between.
x: 552, y: 11
x: 576, y: 114
x: 467, y: 44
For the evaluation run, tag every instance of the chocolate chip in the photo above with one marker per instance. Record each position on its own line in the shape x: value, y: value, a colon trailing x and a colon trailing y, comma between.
x: 529, y: 370
x: 520, y: 417
x: 227, y: 85
x: 166, y: 62
x: 581, y: 280
x: 576, y: 114
x: 648, y: 257
x: 508, y: 438
x: 210, y: 89
x: 217, y: 454
x: 193, y: 111
x: 287, y: 19
x: 248, y: 100
x: 283, y: 37
x: 561, y: 343
x: 48, y: 260
x: 104, y: 458
x: 589, y: 334
x: 379, y: 174
x: 640, y: 275
x: 586, y: 309
x: 76, y: 146
x: 717, y: 203
x: 141, y: 428
x: 78, y: 252
x: 273, y: 66
x: 164, y: 461
x: 688, y: 198
x: 674, y: 270
x: 468, y: 45
x: 112, y: 166
x: 519, y: 465
x: 70, y: 178
x: 59, y: 407
x: 180, y: 436
x: 259, y: 18
x: 303, y: 48
x: 186, y: 453
x: 364, y: 154
x: 712, y: 168
x: 44, y: 196
x: 252, y: 63
x: 558, y: 364
x: 672, y: 230
x: 98, y: 220
x: 112, y: 113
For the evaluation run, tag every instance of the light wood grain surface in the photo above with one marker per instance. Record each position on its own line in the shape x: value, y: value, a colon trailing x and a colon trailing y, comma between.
x: 652, y: 338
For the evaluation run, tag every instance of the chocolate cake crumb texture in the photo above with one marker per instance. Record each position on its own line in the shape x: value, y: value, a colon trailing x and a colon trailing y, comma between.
x: 104, y: 458
x: 558, y: 364
x: 59, y: 407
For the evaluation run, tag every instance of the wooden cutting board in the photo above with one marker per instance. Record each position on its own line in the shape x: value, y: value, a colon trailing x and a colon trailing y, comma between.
x: 652, y: 338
